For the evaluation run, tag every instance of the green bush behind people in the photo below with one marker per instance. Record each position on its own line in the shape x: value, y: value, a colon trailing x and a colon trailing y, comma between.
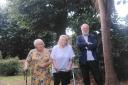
x: 9, y: 67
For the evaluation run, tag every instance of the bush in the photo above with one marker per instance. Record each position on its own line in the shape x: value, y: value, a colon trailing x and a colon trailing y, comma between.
x: 9, y: 66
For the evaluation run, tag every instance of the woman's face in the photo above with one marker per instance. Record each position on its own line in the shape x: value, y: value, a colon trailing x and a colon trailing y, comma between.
x: 39, y: 46
x: 62, y: 41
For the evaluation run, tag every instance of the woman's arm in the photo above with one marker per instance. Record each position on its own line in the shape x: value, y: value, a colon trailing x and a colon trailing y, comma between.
x: 70, y: 65
x: 52, y: 56
x: 55, y: 65
x: 25, y: 65
x: 46, y: 63
x: 28, y: 60
x: 46, y: 60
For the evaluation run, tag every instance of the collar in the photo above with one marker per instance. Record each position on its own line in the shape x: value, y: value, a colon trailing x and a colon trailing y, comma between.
x: 85, y: 35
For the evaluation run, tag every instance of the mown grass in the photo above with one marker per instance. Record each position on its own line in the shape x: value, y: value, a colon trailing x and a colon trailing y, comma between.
x: 19, y: 80
x: 13, y: 80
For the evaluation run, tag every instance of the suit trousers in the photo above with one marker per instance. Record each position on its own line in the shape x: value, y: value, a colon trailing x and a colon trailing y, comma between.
x: 93, y: 67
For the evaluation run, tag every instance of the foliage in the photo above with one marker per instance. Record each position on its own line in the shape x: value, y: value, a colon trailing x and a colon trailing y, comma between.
x: 31, y: 19
x: 9, y: 66
x: 119, y: 38
x: 40, y: 15
x: 82, y: 11
x: 120, y: 52
x: 53, y: 14
x: 18, y: 42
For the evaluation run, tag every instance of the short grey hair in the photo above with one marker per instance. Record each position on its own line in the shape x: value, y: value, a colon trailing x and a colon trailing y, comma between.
x: 37, y: 41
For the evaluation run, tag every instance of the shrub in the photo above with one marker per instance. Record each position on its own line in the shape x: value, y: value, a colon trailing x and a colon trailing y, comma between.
x: 9, y: 66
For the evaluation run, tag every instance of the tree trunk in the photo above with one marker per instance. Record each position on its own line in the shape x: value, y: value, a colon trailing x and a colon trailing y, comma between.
x: 110, y: 75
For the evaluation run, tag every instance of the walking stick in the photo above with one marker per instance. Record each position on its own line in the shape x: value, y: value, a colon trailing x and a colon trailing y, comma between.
x: 25, y: 76
x: 73, y: 74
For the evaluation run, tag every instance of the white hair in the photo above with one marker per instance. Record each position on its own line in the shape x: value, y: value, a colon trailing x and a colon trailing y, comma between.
x: 83, y: 26
x: 36, y: 41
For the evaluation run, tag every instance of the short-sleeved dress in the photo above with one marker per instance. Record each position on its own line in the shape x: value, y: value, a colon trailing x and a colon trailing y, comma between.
x: 39, y: 75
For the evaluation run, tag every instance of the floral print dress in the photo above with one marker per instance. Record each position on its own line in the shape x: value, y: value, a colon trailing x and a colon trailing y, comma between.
x: 39, y: 75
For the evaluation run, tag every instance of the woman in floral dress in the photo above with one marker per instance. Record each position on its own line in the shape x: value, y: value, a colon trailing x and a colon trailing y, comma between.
x: 39, y: 62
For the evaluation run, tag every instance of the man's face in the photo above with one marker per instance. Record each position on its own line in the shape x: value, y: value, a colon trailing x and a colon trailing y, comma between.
x: 85, y: 28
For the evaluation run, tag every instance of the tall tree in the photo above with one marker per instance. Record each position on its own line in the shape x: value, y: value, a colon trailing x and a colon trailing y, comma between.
x: 42, y: 15
x: 110, y: 75
x: 82, y: 11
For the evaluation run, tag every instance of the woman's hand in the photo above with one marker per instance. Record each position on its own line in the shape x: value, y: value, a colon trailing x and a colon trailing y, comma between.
x: 57, y: 69
x: 68, y: 68
x: 42, y: 65
x: 25, y: 68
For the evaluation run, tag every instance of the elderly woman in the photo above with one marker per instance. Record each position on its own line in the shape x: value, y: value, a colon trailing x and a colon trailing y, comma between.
x: 62, y: 55
x: 39, y: 61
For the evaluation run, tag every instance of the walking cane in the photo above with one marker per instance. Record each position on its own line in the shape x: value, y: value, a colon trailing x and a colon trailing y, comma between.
x: 25, y: 76
x: 73, y: 74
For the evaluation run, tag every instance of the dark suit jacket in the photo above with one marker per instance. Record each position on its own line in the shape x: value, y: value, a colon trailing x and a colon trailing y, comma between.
x: 81, y: 44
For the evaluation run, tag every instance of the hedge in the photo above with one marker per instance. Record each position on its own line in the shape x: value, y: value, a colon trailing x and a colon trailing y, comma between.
x: 9, y: 66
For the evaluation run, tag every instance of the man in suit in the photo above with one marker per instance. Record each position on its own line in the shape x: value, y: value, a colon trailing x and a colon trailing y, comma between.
x: 88, y: 61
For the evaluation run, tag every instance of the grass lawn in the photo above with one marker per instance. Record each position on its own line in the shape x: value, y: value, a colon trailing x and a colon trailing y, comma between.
x: 13, y: 80
x: 19, y: 80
